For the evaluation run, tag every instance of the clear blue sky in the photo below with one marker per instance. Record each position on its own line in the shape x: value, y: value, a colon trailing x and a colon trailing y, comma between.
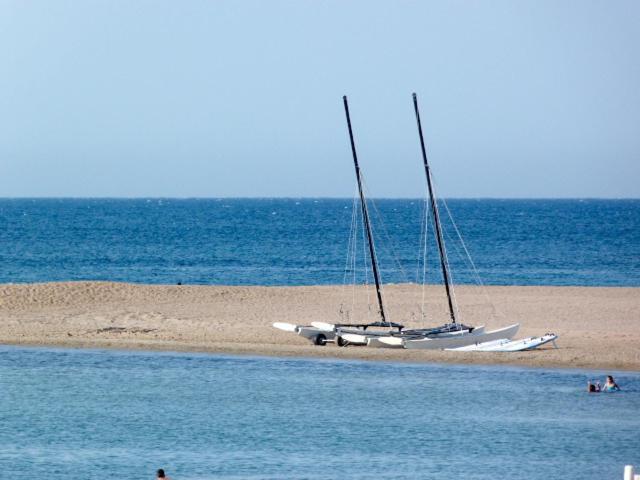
x: 243, y: 98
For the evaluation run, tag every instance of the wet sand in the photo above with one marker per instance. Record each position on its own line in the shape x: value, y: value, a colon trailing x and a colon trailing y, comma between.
x: 599, y: 327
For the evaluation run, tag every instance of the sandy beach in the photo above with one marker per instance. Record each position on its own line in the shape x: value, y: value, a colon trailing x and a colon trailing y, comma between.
x: 599, y: 328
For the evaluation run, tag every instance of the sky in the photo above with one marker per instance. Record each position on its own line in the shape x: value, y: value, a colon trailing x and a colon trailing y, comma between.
x: 244, y: 98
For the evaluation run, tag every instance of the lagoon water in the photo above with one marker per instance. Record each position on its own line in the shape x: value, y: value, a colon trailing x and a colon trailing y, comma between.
x: 88, y: 414
x: 304, y: 241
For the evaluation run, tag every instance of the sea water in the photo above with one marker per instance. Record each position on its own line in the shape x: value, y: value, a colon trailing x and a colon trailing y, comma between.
x: 305, y: 241
x: 79, y: 414
x: 88, y: 414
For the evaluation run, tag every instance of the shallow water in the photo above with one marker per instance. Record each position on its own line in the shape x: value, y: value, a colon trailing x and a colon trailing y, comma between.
x: 84, y: 414
x: 304, y: 241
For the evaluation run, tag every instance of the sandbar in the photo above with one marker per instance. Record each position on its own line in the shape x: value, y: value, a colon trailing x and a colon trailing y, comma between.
x: 598, y: 327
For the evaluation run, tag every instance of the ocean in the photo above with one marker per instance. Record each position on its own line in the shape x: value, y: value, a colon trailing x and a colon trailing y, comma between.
x: 306, y: 241
x: 91, y: 414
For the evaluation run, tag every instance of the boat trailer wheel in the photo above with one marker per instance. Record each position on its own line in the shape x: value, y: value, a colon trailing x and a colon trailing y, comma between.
x: 341, y: 342
x: 320, y: 339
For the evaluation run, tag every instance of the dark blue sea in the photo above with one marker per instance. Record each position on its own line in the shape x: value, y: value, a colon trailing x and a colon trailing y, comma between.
x: 306, y: 241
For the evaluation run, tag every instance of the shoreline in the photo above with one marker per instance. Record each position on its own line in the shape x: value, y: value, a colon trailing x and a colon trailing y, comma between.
x: 173, y: 348
x: 598, y: 327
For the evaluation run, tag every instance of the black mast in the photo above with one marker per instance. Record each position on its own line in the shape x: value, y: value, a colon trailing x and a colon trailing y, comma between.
x: 365, y: 214
x: 436, y: 217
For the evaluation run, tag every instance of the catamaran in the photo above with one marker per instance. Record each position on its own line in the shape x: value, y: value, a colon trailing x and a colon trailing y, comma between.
x: 450, y: 335
x: 357, y: 333
x: 351, y: 333
x: 317, y: 336
x: 384, y: 333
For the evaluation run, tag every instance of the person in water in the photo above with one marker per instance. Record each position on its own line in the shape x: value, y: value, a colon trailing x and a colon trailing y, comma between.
x: 610, y: 385
x: 161, y: 476
x: 591, y: 388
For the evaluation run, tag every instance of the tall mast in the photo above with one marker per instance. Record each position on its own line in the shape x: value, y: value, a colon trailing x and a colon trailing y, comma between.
x: 365, y: 214
x: 436, y: 217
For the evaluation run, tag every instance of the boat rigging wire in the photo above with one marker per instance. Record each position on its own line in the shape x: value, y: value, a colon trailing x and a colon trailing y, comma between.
x: 424, y: 248
x: 365, y: 213
x: 387, y: 243
x: 420, y: 258
x: 476, y: 274
x: 434, y: 211
x: 350, y: 260
x: 445, y: 256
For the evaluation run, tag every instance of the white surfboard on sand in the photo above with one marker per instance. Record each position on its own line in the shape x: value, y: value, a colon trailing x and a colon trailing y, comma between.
x: 506, y: 345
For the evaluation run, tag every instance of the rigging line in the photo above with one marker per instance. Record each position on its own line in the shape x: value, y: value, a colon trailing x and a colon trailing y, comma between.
x: 454, y: 304
x: 460, y: 255
x: 349, y: 267
x: 349, y: 246
x: 353, y: 235
x: 365, y: 263
x: 446, y: 260
x: 388, y: 242
x: 387, y: 245
x: 420, y: 241
x: 464, y: 246
x: 424, y: 259
x: 380, y: 220
x: 378, y: 217
x: 462, y: 258
x: 354, y: 257
x: 496, y: 312
x: 425, y: 248
x: 421, y: 257
x: 453, y: 282
x: 455, y: 248
x: 451, y: 279
x: 365, y: 213
x: 434, y: 207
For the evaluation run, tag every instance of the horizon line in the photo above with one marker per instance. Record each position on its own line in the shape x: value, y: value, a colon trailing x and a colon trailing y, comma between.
x: 108, y: 197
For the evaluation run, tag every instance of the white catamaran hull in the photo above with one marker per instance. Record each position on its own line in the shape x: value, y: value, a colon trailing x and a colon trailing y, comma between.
x: 360, y: 337
x: 397, y: 341
x: 314, y: 334
x: 285, y: 327
x: 471, y: 338
x: 389, y: 342
x: 353, y: 338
